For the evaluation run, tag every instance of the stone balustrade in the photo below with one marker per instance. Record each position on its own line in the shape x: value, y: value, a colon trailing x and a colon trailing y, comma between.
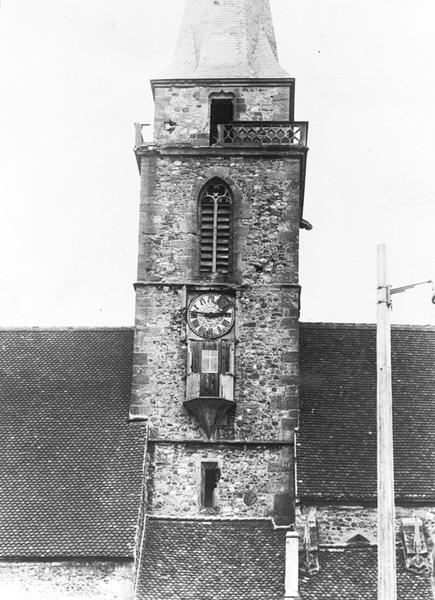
x: 263, y: 133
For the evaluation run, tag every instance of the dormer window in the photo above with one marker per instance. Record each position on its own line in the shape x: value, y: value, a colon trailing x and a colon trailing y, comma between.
x: 221, y: 113
x: 215, y: 216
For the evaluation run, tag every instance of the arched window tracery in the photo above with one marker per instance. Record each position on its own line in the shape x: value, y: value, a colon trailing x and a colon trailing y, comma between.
x: 215, y: 216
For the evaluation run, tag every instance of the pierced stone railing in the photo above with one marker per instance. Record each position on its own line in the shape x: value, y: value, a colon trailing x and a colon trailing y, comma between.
x: 263, y: 133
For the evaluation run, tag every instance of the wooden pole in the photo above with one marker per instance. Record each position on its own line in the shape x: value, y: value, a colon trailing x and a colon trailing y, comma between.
x: 386, y: 518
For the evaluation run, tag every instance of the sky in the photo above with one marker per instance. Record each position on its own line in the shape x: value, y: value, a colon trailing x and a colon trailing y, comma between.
x: 74, y: 76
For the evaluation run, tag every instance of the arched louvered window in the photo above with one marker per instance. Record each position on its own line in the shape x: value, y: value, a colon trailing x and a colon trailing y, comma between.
x: 215, y: 211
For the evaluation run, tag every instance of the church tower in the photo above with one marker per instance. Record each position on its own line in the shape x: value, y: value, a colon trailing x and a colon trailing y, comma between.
x: 217, y: 296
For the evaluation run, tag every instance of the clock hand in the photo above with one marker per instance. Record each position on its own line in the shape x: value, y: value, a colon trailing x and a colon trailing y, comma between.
x: 209, y: 314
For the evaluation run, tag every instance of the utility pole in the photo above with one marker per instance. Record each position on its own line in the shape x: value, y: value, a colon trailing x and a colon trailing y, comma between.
x: 386, y: 518
x: 387, y: 588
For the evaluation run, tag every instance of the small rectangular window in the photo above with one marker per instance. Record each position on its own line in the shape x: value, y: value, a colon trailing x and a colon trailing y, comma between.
x: 210, y: 475
x: 210, y: 361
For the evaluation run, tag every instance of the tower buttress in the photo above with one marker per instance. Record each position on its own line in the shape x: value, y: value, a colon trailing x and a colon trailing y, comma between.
x: 217, y: 298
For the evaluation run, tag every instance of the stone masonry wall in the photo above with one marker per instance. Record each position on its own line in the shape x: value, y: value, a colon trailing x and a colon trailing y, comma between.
x: 252, y: 477
x: 189, y: 107
x: 266, y: 194
x: 266, y: 213
x: 257, y: 480
x: 159, y: 360
x: 266, y: 365
x: 338, y: 524
x: 66, y: 580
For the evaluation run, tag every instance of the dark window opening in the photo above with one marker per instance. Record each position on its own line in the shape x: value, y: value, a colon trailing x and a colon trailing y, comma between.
x: 215, y: 225
x: 210, y: 475
x: 221, y: 113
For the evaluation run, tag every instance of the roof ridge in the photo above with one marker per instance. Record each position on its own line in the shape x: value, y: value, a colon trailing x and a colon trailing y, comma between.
x: 210, y: 519
x: 330, y: 325
x: 67, y: 328
x: 349, y: 547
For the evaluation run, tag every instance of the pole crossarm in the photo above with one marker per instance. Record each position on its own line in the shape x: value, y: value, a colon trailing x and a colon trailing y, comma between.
x: 403, y: 288
x: 384, y: 295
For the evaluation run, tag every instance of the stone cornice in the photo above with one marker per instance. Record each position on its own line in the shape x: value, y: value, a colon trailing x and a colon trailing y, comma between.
x: 218, y: 83
x: 199, y: 285
x: 185, y: 150
x: 203, y: 442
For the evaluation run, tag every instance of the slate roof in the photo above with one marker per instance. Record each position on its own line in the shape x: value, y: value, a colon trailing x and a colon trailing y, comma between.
x: 351, y: 574
x: 226, y: 39
x: 71, y: 468
x: 337, y: 451
x: 211, y: 560
x: 222, y: 560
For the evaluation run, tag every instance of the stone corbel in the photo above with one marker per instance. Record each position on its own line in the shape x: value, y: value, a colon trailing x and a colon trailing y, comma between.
x: 309, y: 564
x: 414, y: 546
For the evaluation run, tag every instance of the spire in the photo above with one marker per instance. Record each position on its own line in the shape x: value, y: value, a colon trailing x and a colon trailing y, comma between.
x: 226, y: 39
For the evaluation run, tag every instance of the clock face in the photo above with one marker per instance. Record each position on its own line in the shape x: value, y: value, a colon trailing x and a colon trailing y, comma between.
x: 211, y: 315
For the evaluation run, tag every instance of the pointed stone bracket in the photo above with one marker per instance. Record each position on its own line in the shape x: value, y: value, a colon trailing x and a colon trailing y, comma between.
x: 209, y: 411
x: 310, y: 548
x: 414, y: 546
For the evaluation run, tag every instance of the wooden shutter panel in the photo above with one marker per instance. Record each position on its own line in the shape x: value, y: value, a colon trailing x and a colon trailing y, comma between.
x: 193, y: 371
x: 219, y: 384
x: 226, y: 377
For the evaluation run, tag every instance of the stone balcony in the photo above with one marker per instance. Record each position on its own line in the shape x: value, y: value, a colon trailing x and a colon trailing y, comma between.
x: 251, y: 134
x: 262, y: 133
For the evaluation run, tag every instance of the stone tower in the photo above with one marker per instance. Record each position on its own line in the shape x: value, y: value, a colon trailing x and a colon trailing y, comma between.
x: 217, y: 296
